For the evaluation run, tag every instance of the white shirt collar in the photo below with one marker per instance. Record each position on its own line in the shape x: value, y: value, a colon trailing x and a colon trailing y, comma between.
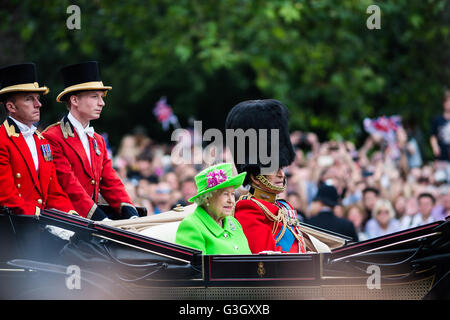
x: 79, y: 127
x: 27, y: 133
x: 77, y: 124
x: 83, y: 134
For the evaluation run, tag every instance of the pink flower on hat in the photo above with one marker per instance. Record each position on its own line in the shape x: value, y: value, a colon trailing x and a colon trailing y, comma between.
x: 216, y: 177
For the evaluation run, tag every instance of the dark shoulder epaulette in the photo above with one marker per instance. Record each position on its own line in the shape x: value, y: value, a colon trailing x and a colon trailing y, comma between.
x: 11, y: 128
x: 50, y: 126
x: 245, y: 197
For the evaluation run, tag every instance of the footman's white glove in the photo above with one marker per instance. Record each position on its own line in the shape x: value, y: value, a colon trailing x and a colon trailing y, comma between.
x: 60, y: 232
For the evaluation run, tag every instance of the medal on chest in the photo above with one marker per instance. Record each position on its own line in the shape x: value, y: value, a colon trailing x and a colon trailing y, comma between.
x: 292, y: 217
x: 293, y: 225
x: 95, y: 145
x: 46, y: 152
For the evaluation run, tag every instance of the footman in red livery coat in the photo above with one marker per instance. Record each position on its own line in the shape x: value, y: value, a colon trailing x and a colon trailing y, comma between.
x: 28, y: 181
x: 83, y: 167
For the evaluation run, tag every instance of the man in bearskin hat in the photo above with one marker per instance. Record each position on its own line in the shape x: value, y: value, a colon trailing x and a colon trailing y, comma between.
x: 28, y: 181
x: 83, y: 167
x: 269, y: 223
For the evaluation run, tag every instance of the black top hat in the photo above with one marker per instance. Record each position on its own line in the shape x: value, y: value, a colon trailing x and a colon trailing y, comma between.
x: 260, y: 114
x: 20, y: 78
x: 81, y: 77
x: 327, y: 194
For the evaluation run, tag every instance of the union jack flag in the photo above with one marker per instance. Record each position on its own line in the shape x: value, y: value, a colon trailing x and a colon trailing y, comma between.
x: 164, y: 113
x: 384, y: 126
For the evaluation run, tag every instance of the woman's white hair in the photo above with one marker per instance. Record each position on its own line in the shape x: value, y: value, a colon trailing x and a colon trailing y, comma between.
x: 383, y: 204
x: 202, y: 199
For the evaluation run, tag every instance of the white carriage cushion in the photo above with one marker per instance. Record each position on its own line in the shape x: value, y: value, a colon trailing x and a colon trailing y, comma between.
x: 165, y: 231
x: 319, y: 245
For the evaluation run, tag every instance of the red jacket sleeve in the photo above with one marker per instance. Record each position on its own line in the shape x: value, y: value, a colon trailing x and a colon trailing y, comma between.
x: 57, y: 198
x: 9, y: 195
x: 111, y: 187
x: 257, y: 227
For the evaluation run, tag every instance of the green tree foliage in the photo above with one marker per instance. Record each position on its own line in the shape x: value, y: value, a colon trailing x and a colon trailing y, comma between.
x: 317, y: 56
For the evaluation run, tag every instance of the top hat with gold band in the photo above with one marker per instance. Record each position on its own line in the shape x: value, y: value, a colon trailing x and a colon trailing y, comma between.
x: 81, y: 77
x: 20, y: 78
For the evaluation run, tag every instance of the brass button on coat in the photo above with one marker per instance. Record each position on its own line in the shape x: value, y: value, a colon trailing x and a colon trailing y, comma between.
x: 39, y: 201
x: 18, y: 175
x: 18, y: 185
x: 92, y: 181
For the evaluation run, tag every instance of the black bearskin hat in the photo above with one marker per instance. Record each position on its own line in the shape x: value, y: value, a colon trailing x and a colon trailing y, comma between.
x: 259, y: 114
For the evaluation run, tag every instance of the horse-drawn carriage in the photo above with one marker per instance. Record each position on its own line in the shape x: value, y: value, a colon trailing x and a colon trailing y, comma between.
x: 60, y: 256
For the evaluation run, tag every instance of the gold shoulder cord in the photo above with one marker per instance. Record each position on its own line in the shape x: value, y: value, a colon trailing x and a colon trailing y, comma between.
x: 298, y: 236
x: 280, y: 218
x: 294, y: 224
x: 276, y: 219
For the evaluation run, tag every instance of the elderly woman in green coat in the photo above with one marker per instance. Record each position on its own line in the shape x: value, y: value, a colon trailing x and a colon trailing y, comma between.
x: 212, y: 228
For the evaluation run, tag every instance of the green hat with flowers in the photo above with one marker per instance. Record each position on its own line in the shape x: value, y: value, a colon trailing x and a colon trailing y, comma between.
x: 217, y: 177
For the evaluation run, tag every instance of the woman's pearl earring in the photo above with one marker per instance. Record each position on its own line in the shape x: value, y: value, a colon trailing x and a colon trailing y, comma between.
x: 207, y: 204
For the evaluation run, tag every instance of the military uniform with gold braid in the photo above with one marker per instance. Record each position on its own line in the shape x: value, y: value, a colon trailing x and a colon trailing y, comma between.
x: 270, y: 224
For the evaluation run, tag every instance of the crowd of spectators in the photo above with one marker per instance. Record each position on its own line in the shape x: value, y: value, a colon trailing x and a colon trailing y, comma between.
x: 382, y: 189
